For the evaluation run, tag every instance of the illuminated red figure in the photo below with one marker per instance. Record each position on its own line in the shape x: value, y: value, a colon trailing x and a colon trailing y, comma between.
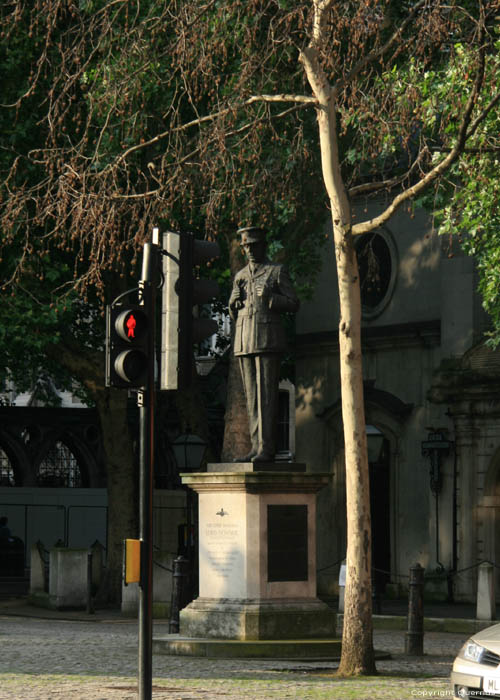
x: 131, y: 324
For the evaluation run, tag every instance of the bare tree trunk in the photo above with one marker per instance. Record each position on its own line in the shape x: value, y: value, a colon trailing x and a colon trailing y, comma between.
x: 122, y: 487
x: 191, y: 408
x: 236, y: 432
x: 357, y: 641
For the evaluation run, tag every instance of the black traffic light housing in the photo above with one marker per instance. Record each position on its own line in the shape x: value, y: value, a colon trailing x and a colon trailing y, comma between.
x: 127, y: 346
x: 183, y: 290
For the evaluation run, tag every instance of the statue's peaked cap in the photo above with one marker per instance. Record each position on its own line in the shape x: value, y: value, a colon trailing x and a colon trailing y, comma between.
x: 252, y: 234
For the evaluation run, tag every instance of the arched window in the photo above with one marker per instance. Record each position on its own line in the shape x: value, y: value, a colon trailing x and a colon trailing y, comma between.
x: 59, y: 468
x: 7, y: 477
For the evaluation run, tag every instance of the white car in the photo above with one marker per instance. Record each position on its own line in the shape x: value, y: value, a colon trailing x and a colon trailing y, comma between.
x: 476, y: 670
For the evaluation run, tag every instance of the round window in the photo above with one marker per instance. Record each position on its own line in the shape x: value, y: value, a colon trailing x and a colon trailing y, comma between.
x: 377, y: 271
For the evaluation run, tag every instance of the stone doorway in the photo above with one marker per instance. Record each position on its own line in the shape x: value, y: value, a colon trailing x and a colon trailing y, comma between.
x: 380, y: 500
x: 490, y: 514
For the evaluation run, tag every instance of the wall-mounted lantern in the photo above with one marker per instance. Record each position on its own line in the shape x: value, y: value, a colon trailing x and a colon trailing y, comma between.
x: 189, y: 451
x: 375, y: 441
x: 436, y: 448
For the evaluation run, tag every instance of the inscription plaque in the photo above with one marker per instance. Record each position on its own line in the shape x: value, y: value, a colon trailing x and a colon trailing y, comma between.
x: 222, y: 546
x: 223, y: 552
x: 287, y: 543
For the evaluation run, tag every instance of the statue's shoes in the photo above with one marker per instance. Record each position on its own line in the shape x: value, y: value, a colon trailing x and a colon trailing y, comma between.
x: 246, y: 458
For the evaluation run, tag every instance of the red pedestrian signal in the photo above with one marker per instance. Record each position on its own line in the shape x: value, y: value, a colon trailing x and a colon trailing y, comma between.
x: 131, y: 324
x: 127, y: 347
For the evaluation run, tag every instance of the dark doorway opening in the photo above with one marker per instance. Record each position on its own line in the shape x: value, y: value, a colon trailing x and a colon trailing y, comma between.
x: 379, y: 462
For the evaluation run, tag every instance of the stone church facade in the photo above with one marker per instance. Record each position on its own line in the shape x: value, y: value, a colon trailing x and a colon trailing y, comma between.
x: 432, y: 404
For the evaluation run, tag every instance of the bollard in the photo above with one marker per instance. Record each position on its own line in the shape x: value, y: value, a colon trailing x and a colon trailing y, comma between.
x: 414, y: 641
x: 179, y: 587
x: 485, y: 603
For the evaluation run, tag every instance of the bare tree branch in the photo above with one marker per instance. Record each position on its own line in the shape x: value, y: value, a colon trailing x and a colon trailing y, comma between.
x: 390, y: 183
x: 302, y: 99
x: 377, y: 53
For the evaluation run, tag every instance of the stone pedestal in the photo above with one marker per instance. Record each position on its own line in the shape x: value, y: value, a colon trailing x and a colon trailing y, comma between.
x: 68, y: 578
x: 257, y: 554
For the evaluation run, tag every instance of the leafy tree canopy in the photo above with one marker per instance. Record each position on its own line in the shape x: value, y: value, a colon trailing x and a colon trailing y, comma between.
x: 104, y: 135
x: 137, y: 122
x: 121, y: 115
x: 466, y: 203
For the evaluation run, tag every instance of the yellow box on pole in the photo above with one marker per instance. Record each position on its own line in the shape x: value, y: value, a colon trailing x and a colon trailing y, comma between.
x: 132, y: 564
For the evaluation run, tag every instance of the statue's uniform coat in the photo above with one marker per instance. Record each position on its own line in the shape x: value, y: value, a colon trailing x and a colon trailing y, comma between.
x: 258, y: 324
x: 259, y: 342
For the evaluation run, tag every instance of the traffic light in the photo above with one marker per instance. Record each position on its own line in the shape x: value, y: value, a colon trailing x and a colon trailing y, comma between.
x: 181, y: 291
x: 127, y: 346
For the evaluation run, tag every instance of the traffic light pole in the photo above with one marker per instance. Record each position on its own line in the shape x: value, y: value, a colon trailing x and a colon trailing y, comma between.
x: 146, y: 401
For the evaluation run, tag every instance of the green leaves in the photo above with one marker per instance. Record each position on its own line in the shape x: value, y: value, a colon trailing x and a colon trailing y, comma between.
x: 467, y: 204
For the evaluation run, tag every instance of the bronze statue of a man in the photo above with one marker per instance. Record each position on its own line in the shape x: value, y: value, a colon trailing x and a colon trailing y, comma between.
x: 262, y: 291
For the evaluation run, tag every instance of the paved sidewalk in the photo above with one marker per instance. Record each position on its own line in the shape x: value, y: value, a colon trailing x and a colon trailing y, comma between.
x: 74, y: 656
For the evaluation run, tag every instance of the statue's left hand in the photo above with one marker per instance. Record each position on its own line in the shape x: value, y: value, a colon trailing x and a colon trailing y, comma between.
x: 261, y: 289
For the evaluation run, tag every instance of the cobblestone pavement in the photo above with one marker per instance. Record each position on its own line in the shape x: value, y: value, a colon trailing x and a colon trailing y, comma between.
x: 44, y: 659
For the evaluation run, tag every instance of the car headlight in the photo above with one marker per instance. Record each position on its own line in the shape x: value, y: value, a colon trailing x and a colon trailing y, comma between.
x: 472, y: 651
